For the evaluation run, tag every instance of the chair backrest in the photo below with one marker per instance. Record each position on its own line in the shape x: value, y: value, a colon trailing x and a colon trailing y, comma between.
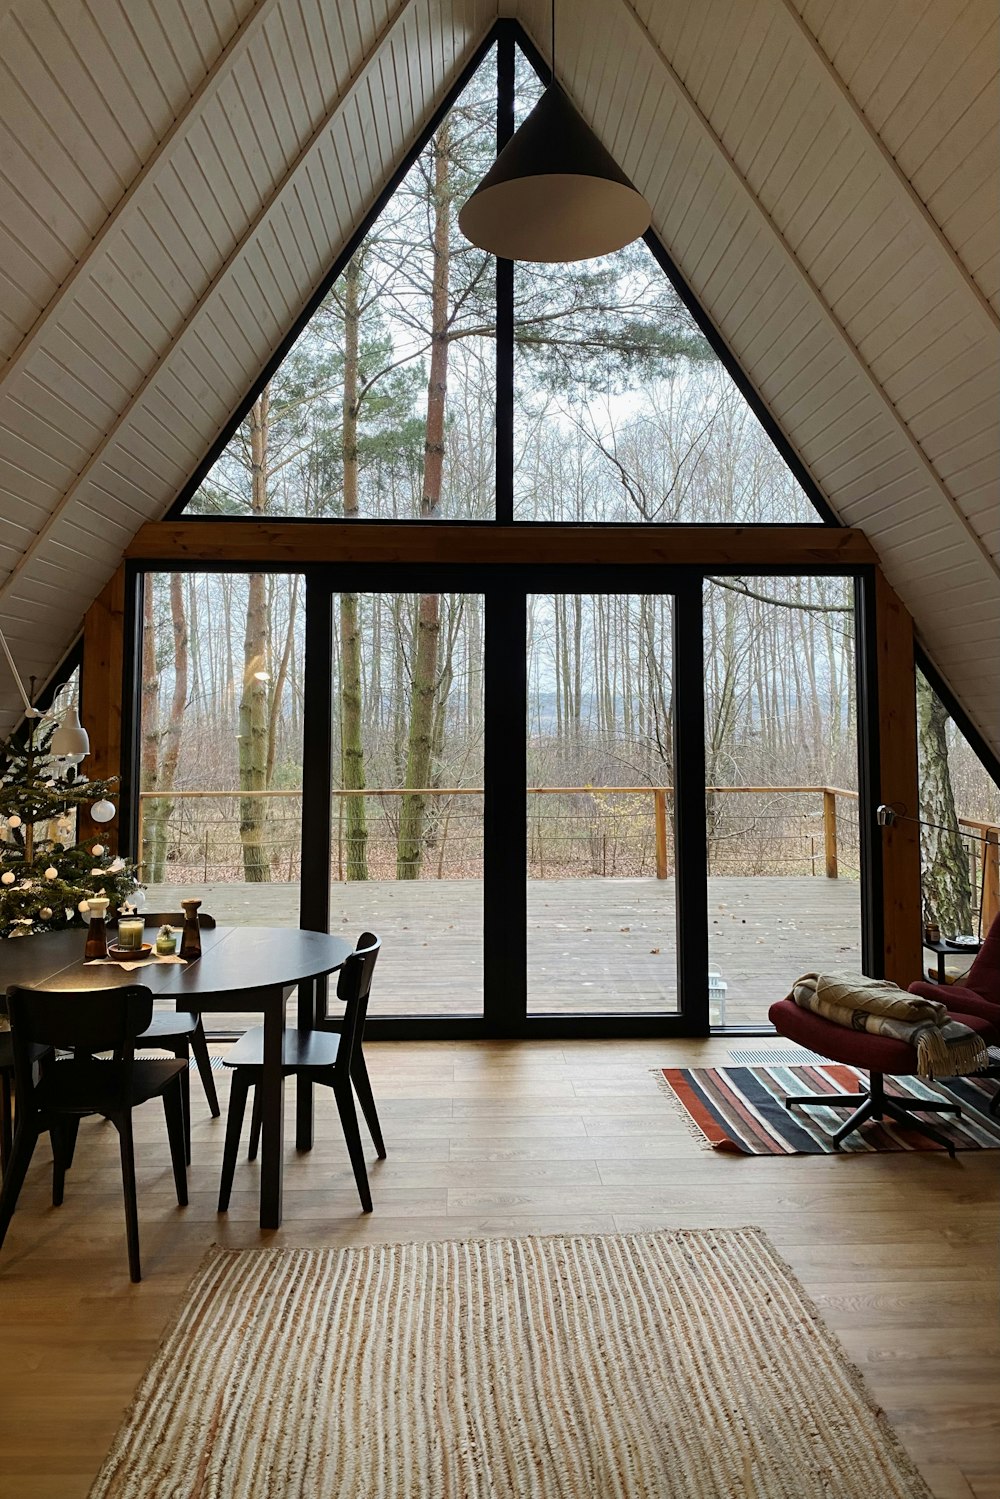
x: 176, y: 918
x: 87, y: 1021
x: 354, y: 983
x: 983, y: 977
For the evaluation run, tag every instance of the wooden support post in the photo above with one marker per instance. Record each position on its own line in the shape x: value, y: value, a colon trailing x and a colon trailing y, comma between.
x: 830, y: 832
x: 899, y: 786
x: 991, y: 881
x: 101, y: 695
x: 660, y: 822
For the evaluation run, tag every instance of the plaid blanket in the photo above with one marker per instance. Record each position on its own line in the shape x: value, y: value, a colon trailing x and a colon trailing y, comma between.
x: 945, y: 1047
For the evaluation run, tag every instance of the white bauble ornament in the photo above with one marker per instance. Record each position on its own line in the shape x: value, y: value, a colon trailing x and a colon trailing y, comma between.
x: 7, y: 878
x: 46, y: 913
x: 14, y: 821
x: 97, y: 850
x: 103, y: 811
x: 52, y: 873
x: 83, y: 907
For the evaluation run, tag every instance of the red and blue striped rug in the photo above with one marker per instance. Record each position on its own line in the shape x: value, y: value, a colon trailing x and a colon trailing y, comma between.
x: 743, y: 1108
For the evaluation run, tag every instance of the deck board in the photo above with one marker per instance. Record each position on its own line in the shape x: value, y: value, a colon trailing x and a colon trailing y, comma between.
x: 595, y: 946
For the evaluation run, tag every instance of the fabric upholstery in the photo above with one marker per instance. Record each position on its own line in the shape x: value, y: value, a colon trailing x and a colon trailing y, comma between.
x: 856, y: 1048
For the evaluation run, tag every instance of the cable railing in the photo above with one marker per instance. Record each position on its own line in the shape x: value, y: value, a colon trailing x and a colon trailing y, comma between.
x: 572, y: 832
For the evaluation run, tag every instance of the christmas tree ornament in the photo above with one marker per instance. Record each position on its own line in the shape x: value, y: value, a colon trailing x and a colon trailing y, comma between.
x: 52, y: 873
x: 83, y: 907
x: 14, y: 821
x: 103, y: 811
x: 7, y: 878
x: 97, y: 850
x: 46, y: 913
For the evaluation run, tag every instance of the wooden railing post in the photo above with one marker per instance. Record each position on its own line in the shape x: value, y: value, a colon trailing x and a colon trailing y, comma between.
x: 991, y: 878
x: 830, y: 832
x: 660, y: 822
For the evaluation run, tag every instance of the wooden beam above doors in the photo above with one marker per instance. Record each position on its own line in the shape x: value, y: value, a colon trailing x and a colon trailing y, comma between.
x: 296, y: 543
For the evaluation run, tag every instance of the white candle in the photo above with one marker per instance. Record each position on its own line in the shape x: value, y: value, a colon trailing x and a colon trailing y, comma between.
x: 130, y: 930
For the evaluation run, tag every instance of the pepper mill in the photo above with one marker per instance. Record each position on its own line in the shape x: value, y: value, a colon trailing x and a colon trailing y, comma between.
x: 191, y: 934
x: 97, y: 931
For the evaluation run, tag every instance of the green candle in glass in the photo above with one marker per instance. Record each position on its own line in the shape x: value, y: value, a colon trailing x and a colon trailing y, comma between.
x: 130, y: 929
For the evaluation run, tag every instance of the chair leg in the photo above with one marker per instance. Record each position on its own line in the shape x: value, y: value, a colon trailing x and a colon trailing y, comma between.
x: 256, y: 1119
x: 123, y: 1124
x: 182, y: 1054
x: 349, y: 1120
x: 63, y: 1138
x: 173, y: 1109
x: 6, y: 1117
x: 363, y: 1088
x: 199, y: 1048
x: 22, y: 1149
x: 234, y: 1127
x: 903, y: 1115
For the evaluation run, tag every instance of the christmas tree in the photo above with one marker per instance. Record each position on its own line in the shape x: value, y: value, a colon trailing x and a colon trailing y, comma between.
x: 46, y: 876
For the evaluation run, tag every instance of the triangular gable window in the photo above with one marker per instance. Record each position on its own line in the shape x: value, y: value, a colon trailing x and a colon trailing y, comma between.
x: 387, y: 404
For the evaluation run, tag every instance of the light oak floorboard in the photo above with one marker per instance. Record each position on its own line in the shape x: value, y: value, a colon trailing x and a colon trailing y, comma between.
x: 899, y: 1252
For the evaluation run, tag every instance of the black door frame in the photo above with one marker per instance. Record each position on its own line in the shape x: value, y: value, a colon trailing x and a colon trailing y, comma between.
x: 505, y: 905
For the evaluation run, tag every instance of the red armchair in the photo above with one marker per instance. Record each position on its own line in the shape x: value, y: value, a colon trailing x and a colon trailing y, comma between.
x: 978, y: 994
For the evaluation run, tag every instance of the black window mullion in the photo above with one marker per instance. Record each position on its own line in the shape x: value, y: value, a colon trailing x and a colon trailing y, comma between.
x: 505, y: 302
x: 505, y: 900
x: 317, y: 749
x: 689, y: 808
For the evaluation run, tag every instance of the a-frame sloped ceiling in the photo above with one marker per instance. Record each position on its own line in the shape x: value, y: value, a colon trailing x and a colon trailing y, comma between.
x: 176, y: 175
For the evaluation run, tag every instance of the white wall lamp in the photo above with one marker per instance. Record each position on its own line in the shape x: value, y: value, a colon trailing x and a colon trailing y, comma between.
x: 554, y: 193
x: 70, y: 742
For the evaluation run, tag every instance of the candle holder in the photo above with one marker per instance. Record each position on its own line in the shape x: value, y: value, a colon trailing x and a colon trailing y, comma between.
x: 191, y: 931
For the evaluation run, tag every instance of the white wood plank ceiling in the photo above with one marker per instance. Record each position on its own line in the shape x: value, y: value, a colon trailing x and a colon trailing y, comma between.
x: 177, y: 175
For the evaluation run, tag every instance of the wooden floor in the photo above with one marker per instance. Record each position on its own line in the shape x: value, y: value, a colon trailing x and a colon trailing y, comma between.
x: 899, y: 1252
x: 594, y: 946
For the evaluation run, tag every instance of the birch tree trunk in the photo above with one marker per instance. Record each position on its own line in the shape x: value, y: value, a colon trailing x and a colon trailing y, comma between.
x: 947, y: 889
x: 352, y: 754
x: 427, y: 640
x: 254, y: 697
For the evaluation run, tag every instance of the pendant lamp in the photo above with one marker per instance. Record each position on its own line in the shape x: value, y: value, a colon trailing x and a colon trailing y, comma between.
x: 554, y: 193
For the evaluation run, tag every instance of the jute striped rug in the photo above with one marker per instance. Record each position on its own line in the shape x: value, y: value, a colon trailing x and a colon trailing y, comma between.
x: 675, y: 1365
x: 743, y: 1108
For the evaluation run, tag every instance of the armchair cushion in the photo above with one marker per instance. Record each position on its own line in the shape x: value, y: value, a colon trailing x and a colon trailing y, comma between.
x: 858, y: 1048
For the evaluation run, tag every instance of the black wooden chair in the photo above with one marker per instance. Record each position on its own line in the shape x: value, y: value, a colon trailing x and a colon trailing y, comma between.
x: 183, y: 1033
x: 7, y: 1088
x: 68, y: 1089
x: 330, y: 1054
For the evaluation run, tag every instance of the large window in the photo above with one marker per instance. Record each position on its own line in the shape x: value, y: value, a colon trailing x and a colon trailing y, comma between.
x: 612, y: 405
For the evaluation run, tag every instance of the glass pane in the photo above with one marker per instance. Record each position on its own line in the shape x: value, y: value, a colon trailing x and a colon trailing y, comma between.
x: 960, y: 807
x: 385, y: 406
x: 781, y: 804
x: 220, y: 760
x: 407, y: 785
x: 601, y: 899
x: 622, y: 412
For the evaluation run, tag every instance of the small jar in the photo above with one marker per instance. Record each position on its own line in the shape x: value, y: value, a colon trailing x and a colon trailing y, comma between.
x: 932, y: 932
x: 166, y: 942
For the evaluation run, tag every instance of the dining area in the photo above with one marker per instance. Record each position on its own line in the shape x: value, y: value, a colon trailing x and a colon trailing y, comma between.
x: 100, y: 1036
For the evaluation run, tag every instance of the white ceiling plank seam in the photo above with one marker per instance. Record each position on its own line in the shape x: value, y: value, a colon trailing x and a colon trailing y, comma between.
x: 830, y: 317
x: 233, y: 259
x: 898, y: 176
x: 160, y: 158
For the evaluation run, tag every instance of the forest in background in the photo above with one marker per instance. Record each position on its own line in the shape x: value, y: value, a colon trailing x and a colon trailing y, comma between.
x: 384, y: 407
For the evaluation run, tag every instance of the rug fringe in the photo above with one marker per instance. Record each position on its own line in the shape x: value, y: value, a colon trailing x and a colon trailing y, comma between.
x: 697, y: 1134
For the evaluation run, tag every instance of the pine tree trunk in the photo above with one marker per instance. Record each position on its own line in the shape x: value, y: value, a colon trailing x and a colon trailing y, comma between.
x: 426, y: 645
x: 352, y: 755
x: 253, y: 700
x: 947, y: 889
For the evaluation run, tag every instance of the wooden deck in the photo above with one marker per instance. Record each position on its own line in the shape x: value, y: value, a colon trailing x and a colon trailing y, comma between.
x: 594, y: 945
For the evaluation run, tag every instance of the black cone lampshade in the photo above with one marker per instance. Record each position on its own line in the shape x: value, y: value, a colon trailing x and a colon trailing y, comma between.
x: 554, y: 193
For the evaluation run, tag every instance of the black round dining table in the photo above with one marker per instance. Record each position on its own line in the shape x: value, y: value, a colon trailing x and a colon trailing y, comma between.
x: 241, y: 968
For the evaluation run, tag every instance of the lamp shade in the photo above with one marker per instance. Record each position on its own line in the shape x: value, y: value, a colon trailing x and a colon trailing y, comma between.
x: 554, y: 193
x: 70, y: 741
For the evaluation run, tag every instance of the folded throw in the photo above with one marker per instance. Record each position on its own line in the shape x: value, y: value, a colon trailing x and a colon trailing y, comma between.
x: 944, y: 1047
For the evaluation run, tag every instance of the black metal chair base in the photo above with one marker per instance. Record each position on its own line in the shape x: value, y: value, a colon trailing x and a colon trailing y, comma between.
x: 874, y: 1104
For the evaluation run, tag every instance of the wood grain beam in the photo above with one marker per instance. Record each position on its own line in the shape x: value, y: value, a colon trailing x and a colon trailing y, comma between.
x: 898, y: 786
x: 296, y: 543
x: 102, y: 679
